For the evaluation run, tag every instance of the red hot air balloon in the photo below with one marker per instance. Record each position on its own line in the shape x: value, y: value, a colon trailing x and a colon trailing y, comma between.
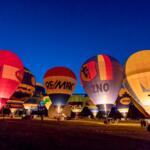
x: 101, y: 77
x: 59, y: 83
x: 11, y: 74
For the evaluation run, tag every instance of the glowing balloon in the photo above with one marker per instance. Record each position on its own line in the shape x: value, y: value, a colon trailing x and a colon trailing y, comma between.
x: 137, y: 71
x: 77, y: 103
x: 14, y: 106
x: 47, y: 102
x: 92, y: 107
x: 101, y: 77
x: 59, y: 83
x: 11, y: 74
x: 123, y: 102
x: 26, y: 88
x: 31, y: 104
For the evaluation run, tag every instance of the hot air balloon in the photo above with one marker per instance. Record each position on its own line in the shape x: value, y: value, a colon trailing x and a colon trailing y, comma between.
x: 92, y: 107
x: 47, y: 102
x: 11, y: 74
x: 32, y: 103
x: 123, y: 102
x: 39, y: 90
x: 24, y: 91
x: 26, y: 88
x: 137, y: 71
x: 101, y: 77
x: 77, y: 103
x: 59, y: 83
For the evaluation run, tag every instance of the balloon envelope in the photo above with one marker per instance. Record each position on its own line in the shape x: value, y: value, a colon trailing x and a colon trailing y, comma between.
x: 77, y: 102
x: 39, y: 90
x: 26, y: 88
x: 123, y: 101
x: 101, y: 77
x: 59, y: 83
x: 92, y: 107
x: 137, y: 71
x: 47, y: 102
x: 11, y: 74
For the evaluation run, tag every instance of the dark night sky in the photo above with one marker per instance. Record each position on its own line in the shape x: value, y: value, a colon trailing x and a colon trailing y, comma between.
x: 67, y: 32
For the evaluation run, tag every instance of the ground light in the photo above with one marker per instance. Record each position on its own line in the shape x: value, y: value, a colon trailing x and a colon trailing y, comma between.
x: 124, y: 112
x: 59, y: 110
x: 94, y: 112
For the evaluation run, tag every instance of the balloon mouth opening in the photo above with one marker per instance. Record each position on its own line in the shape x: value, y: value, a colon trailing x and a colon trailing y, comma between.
x: 124, y: 114
x: 59, y: 109
x: 105, y: 109
x: 94, y: 112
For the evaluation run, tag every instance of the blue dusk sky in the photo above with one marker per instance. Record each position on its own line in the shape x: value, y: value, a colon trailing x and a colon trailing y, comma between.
x: 49, y: 33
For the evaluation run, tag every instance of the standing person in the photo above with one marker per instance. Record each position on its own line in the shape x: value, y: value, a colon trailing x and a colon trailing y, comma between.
x: 41, y: 110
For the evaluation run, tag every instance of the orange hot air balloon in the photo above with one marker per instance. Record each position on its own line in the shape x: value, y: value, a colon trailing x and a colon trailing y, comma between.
x: 11, y: 74
x: 59, y: 83
x: 137, y: 71
x: 101, y: 77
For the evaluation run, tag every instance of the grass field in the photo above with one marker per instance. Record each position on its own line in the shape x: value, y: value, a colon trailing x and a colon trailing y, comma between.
x: 71, y: 135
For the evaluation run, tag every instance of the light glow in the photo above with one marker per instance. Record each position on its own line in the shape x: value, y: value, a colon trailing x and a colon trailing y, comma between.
x: 59, y: 109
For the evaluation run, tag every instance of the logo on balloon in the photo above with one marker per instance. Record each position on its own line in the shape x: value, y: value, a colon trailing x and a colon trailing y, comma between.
x: 88, y: 71
x: 125, y: 101
x: 60, y: 84
x: 19, y: 75
x: 100, y: 87
x: 11, y: 73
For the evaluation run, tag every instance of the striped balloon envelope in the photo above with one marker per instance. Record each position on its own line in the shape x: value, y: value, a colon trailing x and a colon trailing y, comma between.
x: 59, y: 83
x: 11, y: 74
x: 26, y: 88
x: 101, y: 77
x: 137, y: 71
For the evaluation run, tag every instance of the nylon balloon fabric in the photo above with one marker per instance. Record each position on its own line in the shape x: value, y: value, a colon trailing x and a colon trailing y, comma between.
x: 101, y: 77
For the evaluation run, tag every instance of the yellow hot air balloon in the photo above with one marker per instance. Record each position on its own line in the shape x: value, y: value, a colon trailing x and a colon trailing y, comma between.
x: 137, y: 71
